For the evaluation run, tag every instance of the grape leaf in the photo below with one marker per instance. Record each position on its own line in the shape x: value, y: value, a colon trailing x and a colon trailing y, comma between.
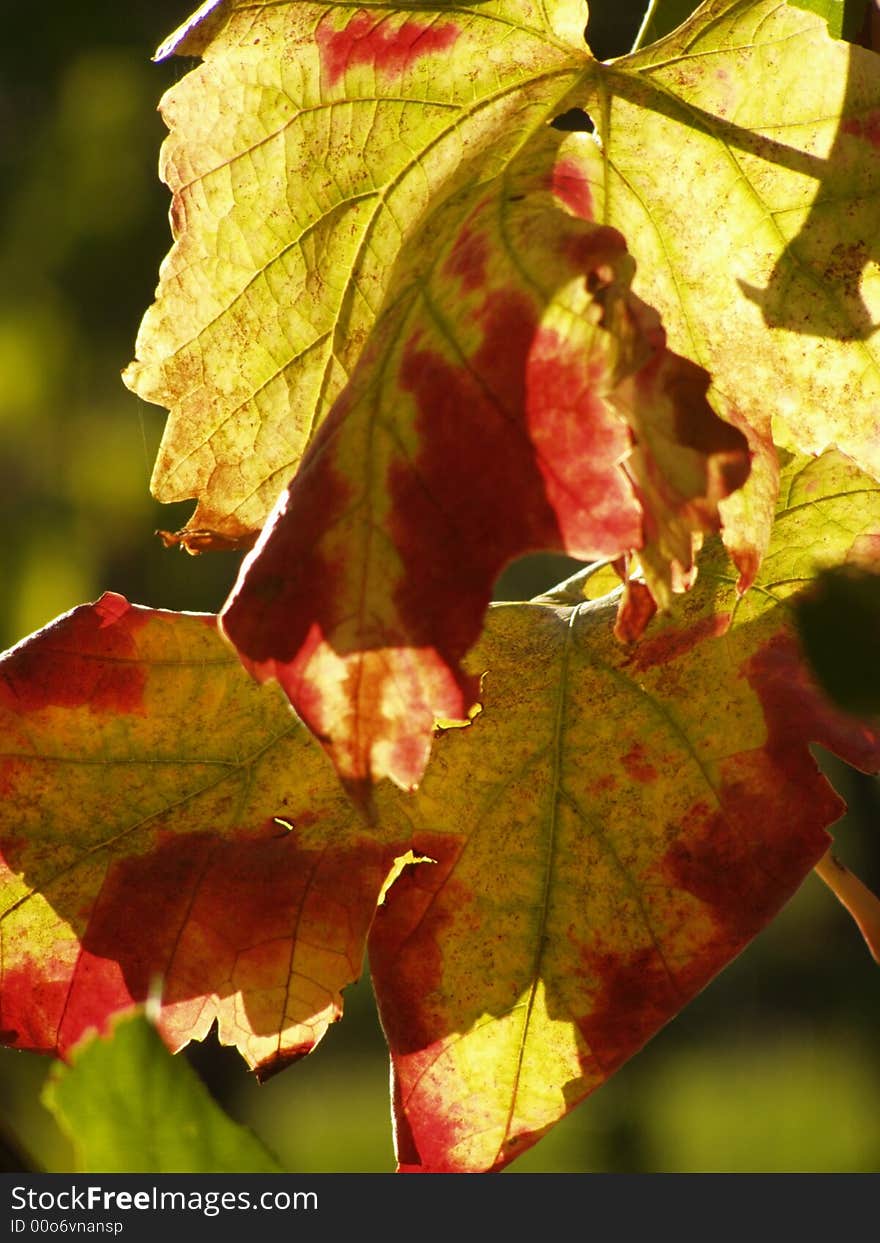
x: 747, y: 186
x: 302, y: 153
x: 598, y: 852
x: 515, y: 396
x: 129, y: 1107
x: 365, y: 142
x: 162, y: 818
x: 613, y: 829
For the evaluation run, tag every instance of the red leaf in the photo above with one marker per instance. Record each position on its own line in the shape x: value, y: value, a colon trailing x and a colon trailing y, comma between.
x: 517, y: 397
x: 164, y: 819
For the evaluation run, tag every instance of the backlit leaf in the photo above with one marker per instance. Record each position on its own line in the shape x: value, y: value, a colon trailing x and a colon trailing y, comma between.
x: 608, y: 832
x: 163, y: 818
x: 614, y: 827
x: 302, y: 154
x: 129, y: 1107
x: 515, y: 396
x: 739, y: 157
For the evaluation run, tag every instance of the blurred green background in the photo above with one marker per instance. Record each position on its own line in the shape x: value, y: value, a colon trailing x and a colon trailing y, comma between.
x: 774, y: 1067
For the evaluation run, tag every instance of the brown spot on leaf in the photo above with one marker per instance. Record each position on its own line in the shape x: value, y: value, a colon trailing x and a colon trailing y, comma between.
x: 846, y: 264
x: 198, y: 540
x: 280, y: 1061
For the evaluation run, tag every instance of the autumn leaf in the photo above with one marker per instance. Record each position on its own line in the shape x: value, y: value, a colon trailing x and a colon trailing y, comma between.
x: 162, y: 818
x: 779, y: 312
x: 616, y: 825
x: 613, y: 827
x: 747, y: 189
x: 129, y: 1107
x: 302, y: 155
x: 392, y: 202
x: 515, y: 396
x: 443, y: 333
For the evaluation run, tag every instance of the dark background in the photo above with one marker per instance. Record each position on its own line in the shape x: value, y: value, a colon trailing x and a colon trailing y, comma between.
x: 774, y: 1067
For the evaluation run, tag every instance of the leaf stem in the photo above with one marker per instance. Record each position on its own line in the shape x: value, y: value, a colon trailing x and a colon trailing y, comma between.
x: 646, y: 22
x: 862, y: 904
x: 570, y: 590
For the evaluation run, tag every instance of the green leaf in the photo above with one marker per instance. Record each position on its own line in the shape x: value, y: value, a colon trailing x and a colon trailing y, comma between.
x: 740, y: 159
x: 302, y: 153
x: 129, y: 1107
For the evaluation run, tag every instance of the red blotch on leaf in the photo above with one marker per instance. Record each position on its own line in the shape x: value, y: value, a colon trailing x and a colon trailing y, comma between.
x: 405, y: 940
x: 374, y: 39
x: 15, y: 771
x: 407, y: 965
x: 517, y: 445
x: 634, y: 997
x: 87, y: 657
x: 213, y: 917
x: 745, y: 856
x: 525, y: 408
x: 468, y: 259
x: 571, y: 187
x: 31, y: 1005
x: 866, y: 127
x: 288, y: 564
x: 672, y: 644
x: 637, y: 608
x: 742, y: 856
x: 637, y: 765
x: 578, y: 443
